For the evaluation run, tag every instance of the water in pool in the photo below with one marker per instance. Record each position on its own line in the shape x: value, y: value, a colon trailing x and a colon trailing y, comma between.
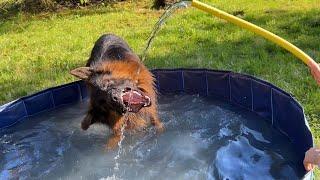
x: 204, y: 139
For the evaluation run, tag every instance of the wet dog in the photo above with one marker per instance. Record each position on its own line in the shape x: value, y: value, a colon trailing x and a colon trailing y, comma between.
x: 121, y: 89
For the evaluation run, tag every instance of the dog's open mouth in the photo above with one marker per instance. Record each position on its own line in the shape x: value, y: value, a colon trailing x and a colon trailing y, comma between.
x: 134, y: 100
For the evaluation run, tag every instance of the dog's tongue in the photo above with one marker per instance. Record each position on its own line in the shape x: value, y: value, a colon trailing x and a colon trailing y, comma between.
x: 134, y: 101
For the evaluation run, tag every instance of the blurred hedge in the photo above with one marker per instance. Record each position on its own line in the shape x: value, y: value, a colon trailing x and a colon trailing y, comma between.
x: 35, y: 6
x: 52, y: 5
x: 158, y: 4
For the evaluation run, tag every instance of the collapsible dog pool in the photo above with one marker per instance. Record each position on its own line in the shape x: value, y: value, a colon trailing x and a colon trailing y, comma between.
x: 219, y: 125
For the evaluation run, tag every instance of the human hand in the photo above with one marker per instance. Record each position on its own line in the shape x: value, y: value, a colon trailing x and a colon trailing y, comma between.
x: 311, y: 158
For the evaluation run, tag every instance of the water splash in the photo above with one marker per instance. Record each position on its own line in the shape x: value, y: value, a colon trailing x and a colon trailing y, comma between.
x: 116, y: 158
x: 113, y: 177
x: 163, y: 18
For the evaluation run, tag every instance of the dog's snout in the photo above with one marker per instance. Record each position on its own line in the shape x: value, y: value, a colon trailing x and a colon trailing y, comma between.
x: 114, y: 95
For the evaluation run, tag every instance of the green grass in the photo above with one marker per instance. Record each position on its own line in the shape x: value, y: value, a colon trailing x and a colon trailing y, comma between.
x: 38, y: 51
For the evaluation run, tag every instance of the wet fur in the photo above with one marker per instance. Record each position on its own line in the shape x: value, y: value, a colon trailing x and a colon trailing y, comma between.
x: 113, y: 57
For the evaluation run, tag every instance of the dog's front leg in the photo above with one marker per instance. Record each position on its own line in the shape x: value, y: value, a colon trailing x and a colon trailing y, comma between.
x: 113, y: 141
x: 156, y: 121
x: 158, y: 124
x: 86, y: 122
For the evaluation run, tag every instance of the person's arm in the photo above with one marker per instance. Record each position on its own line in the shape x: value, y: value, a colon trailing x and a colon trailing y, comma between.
x: 311, y: 158
x: 315, y: 71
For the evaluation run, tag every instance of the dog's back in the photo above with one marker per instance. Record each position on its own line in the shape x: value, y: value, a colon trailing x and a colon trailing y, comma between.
x: 108, y: 47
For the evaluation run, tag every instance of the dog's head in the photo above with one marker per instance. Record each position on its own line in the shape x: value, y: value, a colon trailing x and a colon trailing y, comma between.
x: 122, y: 86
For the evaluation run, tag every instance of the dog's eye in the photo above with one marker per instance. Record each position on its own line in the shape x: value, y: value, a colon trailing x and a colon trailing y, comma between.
x: 141, y: 89
x: 107, y: 83
x: 98, y: 72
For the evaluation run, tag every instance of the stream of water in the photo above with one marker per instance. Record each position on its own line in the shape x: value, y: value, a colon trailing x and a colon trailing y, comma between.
x: 163, y: 18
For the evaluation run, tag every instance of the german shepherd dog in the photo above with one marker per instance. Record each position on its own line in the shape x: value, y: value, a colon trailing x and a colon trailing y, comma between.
x: 121, y: 88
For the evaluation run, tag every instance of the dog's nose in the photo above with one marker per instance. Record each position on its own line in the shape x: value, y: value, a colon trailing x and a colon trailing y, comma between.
x: 124, y: 110
x: 114, y: 95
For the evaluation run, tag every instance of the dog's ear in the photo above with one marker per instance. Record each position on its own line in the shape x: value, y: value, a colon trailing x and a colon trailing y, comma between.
x: 82, y: 72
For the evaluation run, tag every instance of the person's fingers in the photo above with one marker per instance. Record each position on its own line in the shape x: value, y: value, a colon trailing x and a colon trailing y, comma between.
x: 312, y: 158
x: 311, y: 166
x: 308, y: 166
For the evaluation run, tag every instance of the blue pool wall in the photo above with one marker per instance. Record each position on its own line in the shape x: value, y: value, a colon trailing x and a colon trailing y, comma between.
x: 276, y: 106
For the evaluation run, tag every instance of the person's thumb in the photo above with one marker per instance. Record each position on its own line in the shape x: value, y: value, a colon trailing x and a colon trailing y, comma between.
x: 308, y: 166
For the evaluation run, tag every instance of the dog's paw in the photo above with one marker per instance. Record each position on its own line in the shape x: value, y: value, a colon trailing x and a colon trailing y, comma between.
x: 86, y: 122
x: 160, y: 127
x: 84, y: 125
x: 112, y: 143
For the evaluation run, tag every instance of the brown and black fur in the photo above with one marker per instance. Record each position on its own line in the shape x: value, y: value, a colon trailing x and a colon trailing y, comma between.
x: 113, y: 66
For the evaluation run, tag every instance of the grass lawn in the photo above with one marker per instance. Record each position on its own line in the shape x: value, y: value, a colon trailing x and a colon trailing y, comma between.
x: 38, y: 51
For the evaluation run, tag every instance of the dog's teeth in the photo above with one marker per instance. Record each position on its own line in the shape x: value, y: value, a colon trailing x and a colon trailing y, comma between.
x: 148, y: 102
x: 137, y: 93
